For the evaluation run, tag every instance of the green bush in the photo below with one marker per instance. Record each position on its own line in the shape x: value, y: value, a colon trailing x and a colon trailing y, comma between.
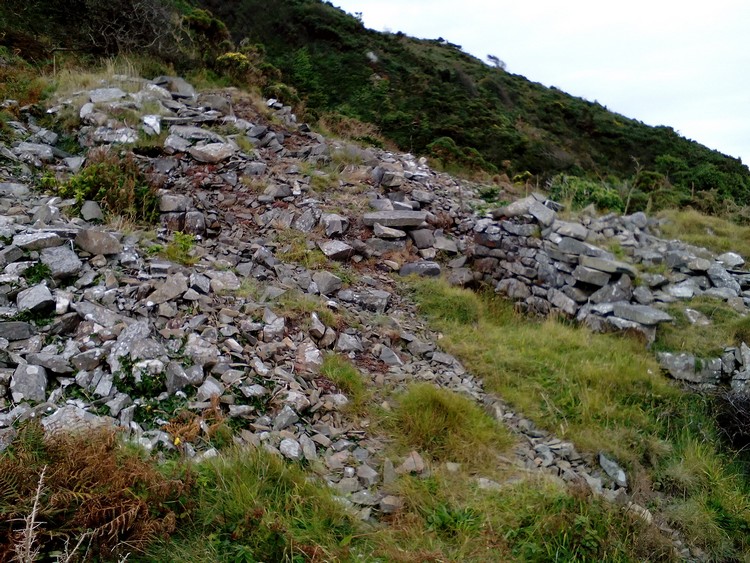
x: 117, y: 183
x: 581, y: 192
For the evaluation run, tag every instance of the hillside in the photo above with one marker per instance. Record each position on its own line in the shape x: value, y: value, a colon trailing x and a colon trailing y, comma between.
x: 227, y: 336
x: 427, y: 96
x: 419, y: 91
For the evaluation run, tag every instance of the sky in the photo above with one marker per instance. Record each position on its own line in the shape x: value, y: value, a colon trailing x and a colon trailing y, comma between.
x: 682, y: 64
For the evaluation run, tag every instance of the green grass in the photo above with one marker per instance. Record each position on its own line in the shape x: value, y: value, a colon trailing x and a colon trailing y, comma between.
x: 180, y: 248
x: 605, y: 393
x: 349, y: 381
x: 714, y: 233
x: 293, y: 247
x: 447, y: 427
x: 251, y: 506
x: 727, y: 328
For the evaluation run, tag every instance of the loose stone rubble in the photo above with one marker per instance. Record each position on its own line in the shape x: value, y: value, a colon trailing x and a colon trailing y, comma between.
x: 129, y: 337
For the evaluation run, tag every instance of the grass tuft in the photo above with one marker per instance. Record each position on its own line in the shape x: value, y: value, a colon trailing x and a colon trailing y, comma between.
x: 727, y: 328
x: 447, y: 426
x: 348, y: 380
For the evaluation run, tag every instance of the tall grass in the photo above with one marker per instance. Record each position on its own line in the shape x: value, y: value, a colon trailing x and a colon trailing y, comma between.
x: 605, y: 393
x: 715, y: 233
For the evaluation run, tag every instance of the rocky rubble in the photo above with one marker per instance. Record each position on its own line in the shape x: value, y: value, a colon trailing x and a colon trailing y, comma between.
x: 114, y: 334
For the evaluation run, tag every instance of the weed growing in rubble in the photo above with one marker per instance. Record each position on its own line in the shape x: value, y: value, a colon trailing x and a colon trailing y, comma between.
x: 117, y: 183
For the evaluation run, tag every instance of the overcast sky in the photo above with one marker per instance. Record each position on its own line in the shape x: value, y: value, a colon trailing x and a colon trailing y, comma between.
x: 683, y: 64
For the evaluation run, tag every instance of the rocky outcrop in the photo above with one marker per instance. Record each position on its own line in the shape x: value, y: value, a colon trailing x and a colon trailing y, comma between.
x: 114, y: 331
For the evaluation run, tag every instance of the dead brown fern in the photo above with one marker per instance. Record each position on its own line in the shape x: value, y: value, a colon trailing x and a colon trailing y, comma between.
x: 93, y: 487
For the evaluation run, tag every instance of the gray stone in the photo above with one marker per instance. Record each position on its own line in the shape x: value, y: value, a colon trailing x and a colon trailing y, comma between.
x: 62, y: 261
x: 446, y: 245
x: 15, y: 330
x: 395, y: 218
x: 308, y: 447
x: 70, y: 419
x: 211, y: 387
x: 572, y: 230
x: 621, y: 290
x: 513, y: 288
x: 609, y: 266
x: 348, y: 343
x: 327, y: 283
x: 36, y: 299
x: 31, y: 151
x: 223, y: 281
x: 731, y: 260
x: 686, y: 367
x: 89, y: 360
x: 590, y: 276
x: 175, y: 143
x: 612, y: 469
x: 334, y: 224
x: 91, y: 211
x: 388, y: 232
x: 336, y: 250
x: 412, y: 464
x: 201, y: 351
x: 367, y: 475
x: 723, y: 279
x: 178, y: 87
x: 562, y: 302
x: 172, y: 288
x: 170, y: 203
x: 37, y: 241
x: 543, y: 214
x: 98, y: 242
x: 92, y: 312
x: 53, y: 362
x: 642, y: 314
x: 13, y: 189
x: 290, y: 449
x: 103, y: 95
x: 285, y: 418
x: 317, y: 328
x: 308, y: 358
x: 424, y: 268
x: 390, y: 357
x: 29, y: 383
x: 423, y: 238
x: 212, y: 153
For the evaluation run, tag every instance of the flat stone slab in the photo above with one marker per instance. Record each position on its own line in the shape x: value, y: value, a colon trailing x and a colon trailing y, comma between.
x: 37, y: 241
x: 336, y: 250
x: 395, y: 218
x: 591, y: 276
x: 212, y: 153
x: 608, y: 266
x: 103, y: 95
x: 642, y: 314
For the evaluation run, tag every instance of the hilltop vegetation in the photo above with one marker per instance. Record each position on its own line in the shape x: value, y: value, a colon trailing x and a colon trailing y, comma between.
x: 426, y: 96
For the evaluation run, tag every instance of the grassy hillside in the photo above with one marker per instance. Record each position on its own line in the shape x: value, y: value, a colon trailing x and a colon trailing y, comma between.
x: 427, y: 96
x: 432, y: 98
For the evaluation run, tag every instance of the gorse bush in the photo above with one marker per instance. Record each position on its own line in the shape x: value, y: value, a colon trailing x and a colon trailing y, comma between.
x: 116, y: 182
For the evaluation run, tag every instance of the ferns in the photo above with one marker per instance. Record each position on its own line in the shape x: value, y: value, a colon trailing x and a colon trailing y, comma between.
x: 91, y: 487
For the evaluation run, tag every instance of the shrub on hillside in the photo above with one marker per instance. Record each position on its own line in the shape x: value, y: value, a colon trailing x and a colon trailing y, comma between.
x: 581, y: 192
x: 117, y: 183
